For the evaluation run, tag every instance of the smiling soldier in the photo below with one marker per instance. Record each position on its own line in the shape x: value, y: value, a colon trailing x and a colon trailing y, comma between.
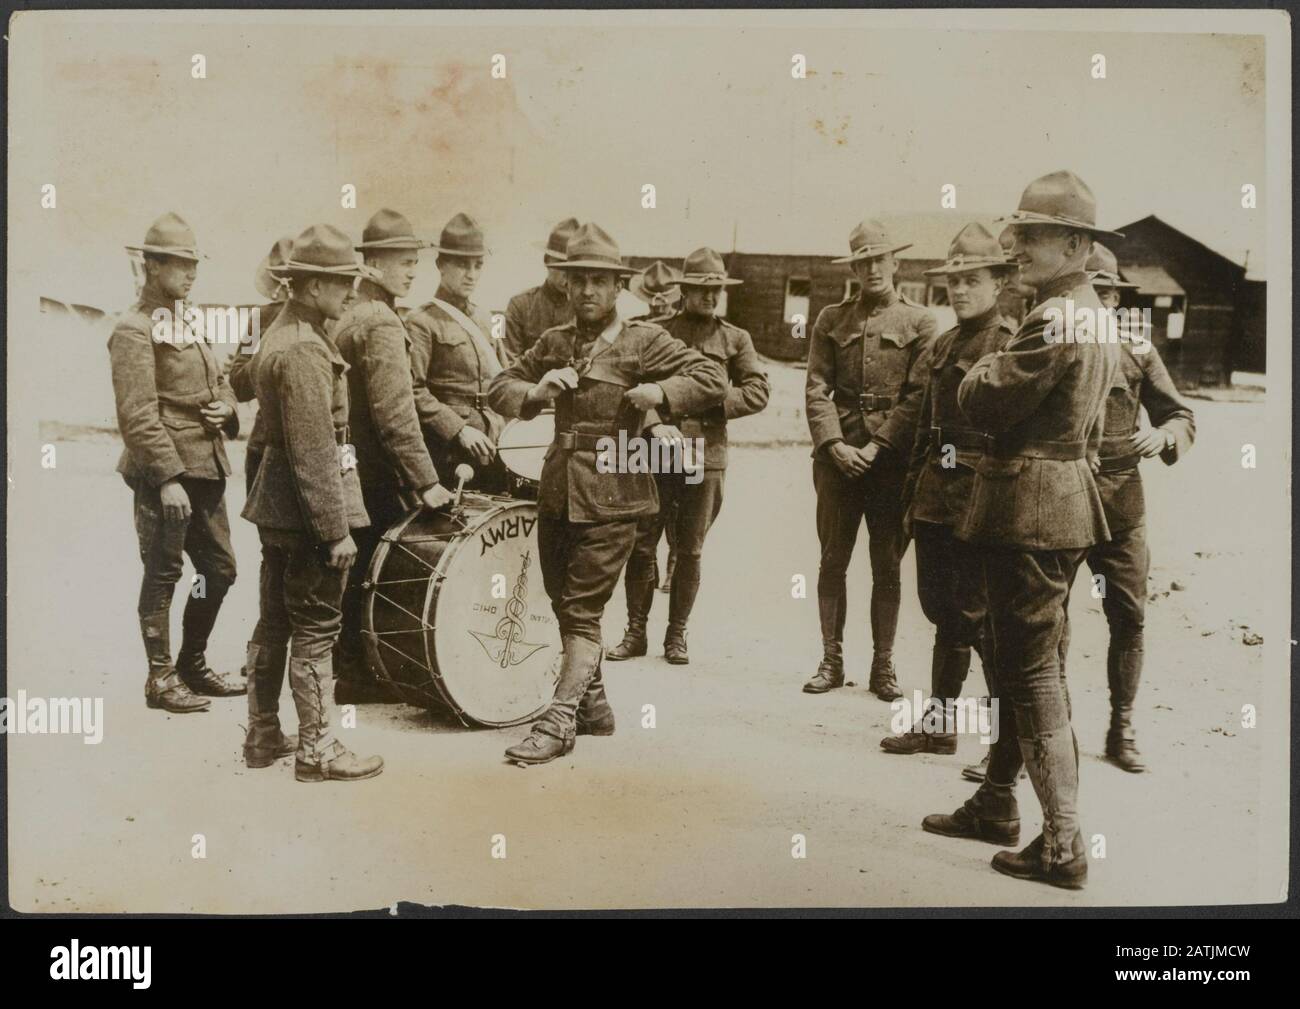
x: 603, y: 375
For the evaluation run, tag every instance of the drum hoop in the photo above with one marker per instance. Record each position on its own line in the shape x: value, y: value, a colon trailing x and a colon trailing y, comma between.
x: 444, y: 563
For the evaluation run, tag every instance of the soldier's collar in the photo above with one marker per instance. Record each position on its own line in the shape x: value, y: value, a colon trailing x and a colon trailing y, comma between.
x: 1063, y: 283
x: 369, y: 290
x: 453, y: 299
x: 151, y: 299
x: 307, y: 314
x: 883, y: 301
x: 979, y: 321
x: 609, y: 333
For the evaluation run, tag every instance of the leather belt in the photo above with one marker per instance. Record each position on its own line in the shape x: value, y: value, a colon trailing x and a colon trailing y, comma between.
x: 1061, y: 451
x: 869, y: 402
x: 342, y: 435
x: 177, y: 411
x: 478, y: 400
x: 1119, y: 463
x: 959, y: 437
x: 577, y: 441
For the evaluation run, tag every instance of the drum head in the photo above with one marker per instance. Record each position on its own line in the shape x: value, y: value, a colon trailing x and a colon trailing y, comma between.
x: 494, y: 636
x: 523, y: 445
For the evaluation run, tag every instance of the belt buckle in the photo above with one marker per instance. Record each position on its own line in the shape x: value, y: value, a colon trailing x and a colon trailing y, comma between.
x: 565, y: 440
x: 866, y: 401
x: 480, y: 401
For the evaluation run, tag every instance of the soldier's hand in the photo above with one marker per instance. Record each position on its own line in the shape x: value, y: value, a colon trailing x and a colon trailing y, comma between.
x: 847, y: 459
x: 175, y: 502
x: 869, y: 451
x: 1150, y: 443
x: 555, y: 382
x: 437, y: 497
x: 215, y: 415
x: 645, y: 396
x: 477, y: 444
x: 667, y: 433
x: 341, y: 554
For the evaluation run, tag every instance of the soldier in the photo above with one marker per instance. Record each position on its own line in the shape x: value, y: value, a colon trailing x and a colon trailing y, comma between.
x: 603, y: 375
x: 692, y: 504
x: 393, y: 464
x: 305, y: 502
x: 949, y: 571
x: 172, y: 407
x: 1123, y: 561
x: 1035, y: 511
x: 237, y: 367
x: 866, y: 372
x: 657, y: 286
x: 453, y: 359
x: 531, y: 313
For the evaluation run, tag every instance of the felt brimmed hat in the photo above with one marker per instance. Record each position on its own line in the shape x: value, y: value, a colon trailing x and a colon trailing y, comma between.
x: 591, y: 248
x: 869, y: 240
x: 657, y: 281
x: 323, y: 249
x: 264, y: 280
x: 974, y: 248
x: 705, y: 268
x: 558, y: 241
x: 389, y: 230
x: 1103, y: 268
x: 170, y: 236
x: 1063, y: 199
x: 462, y: 237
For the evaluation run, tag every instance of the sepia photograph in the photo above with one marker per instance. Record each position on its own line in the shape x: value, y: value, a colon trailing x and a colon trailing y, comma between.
x: 630, y: 460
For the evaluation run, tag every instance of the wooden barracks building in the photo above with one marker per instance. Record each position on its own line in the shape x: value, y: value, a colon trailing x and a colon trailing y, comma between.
x: 1207, y: 316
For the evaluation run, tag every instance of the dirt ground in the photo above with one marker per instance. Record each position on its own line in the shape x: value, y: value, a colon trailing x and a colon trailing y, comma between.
x: 699, y: 810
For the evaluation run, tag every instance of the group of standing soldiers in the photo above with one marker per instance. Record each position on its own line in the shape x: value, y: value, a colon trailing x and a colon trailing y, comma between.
x: 1010, y: 455
x: 365, y: 414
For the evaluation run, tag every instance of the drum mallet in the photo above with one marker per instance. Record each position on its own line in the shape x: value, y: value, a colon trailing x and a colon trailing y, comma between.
x: 464, y: 474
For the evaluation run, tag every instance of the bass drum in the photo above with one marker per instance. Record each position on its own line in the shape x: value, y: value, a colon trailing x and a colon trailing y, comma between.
x: 522, y: 448
x: 455, y: 615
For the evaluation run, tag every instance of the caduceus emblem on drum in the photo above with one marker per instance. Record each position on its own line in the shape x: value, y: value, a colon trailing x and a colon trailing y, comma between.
x: 506, y: 645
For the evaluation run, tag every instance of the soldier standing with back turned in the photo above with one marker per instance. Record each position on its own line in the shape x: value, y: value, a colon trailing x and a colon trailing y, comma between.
x: 305, y: 502
x: 866, y: 373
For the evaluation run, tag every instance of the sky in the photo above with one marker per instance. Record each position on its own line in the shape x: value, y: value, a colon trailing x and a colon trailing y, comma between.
x: 592, y: 108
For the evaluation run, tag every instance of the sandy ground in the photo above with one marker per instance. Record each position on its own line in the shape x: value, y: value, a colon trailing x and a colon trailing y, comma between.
x: 698, y: 811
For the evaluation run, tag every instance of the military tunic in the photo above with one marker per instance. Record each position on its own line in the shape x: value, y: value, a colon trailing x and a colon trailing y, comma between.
x: 160, y: 386
x: 1035, y: 508
x: 451, y: 374
x: 305, y: 496
x: 531, y: 313
x: 691, y: 505
x: 393, y: 464
x: 949, y: 571
x: 866, y: 375
x: 1141, y: 381
x: 241, y: 383
x: 588, y: 518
